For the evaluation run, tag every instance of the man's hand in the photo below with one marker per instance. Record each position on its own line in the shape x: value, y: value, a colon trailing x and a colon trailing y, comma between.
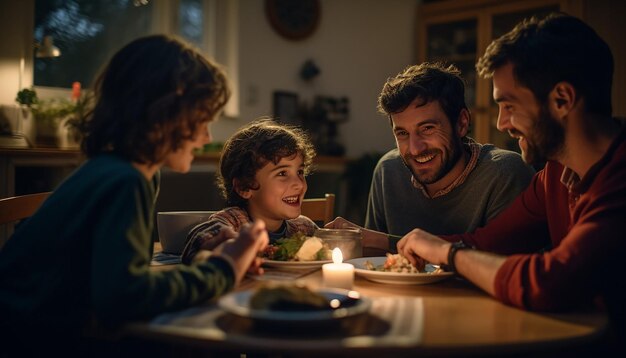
x: 420, y: 247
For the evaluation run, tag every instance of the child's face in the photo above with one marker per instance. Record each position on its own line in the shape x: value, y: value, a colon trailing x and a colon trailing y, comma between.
x: 281, y: 189
x: 180, y: 159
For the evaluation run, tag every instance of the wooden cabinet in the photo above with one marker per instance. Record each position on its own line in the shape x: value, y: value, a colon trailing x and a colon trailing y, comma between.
x: 459, y: 31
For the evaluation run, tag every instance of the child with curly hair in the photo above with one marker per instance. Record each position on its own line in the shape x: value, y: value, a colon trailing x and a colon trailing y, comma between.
x: 262, y: 175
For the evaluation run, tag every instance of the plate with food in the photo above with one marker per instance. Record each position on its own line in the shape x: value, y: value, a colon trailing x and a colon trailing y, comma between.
x: 395, y: 269
x: 276, y: 303
x: 298, y: 251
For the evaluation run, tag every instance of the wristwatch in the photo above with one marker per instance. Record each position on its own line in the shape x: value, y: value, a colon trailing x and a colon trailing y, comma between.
x: 456, y: 246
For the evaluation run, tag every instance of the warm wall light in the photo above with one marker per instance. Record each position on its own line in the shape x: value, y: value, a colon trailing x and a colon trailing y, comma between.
x: 47, y: 48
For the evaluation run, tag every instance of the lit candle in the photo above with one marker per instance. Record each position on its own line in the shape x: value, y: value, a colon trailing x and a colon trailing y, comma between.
x: 338, y: 274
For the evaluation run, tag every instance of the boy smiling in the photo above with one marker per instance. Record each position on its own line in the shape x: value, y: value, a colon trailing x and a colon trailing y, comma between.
x: 262, y: 175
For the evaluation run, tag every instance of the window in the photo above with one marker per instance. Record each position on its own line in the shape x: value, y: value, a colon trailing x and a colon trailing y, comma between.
x: 89, y: 32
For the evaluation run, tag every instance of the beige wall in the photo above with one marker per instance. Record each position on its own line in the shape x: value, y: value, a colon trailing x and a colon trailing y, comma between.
x: 358, y: 44
x: 17, y: 19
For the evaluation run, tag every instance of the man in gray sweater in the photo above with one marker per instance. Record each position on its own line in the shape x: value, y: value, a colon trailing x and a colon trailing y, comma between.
x: 437, y: 178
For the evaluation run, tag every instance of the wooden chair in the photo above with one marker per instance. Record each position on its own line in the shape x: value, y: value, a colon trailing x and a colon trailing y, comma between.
x: 320, y: 209
x: 16, y: 208
x: 20, y: 207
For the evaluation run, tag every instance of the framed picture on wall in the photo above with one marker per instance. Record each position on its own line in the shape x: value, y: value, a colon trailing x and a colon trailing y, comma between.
x: 286, y: 107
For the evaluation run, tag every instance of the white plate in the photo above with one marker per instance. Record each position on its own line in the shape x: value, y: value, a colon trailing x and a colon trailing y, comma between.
x: 396, y: 277
x: 238, y: 303
x: 295, y: 264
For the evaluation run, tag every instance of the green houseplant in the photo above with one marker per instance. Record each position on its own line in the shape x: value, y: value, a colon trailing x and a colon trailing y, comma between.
x: 81, y: 110
x: 51, y: 115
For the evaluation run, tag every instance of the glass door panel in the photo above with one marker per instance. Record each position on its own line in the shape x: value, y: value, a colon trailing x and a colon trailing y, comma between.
x: 455, y: 43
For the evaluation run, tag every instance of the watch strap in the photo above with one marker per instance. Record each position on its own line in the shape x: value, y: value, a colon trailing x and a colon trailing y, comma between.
x: 454, y: 248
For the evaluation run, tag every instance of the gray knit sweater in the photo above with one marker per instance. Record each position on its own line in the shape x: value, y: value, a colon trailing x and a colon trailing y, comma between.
x: 396, y: 207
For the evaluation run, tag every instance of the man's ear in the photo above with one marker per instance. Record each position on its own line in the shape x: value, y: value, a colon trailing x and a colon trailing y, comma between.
x: 242, y: 193
x: 463, y: 123
x: 562, y: 99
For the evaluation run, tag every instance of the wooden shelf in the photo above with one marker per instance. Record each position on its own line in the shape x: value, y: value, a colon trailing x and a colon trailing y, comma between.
x: 40, y: 151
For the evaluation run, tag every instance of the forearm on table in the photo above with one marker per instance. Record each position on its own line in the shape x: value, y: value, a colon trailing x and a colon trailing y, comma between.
x: 479, y: 267
x: 376, y: 239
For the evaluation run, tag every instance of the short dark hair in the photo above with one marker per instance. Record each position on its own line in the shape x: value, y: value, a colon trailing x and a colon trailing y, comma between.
x: 428, y: 82
x: 150, y: 97
x: 556, y: 48
x: 252, y: 147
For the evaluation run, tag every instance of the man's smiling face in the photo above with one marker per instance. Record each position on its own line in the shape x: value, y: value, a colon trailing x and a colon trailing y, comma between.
x: 428, y: 144
x: 539, y: 135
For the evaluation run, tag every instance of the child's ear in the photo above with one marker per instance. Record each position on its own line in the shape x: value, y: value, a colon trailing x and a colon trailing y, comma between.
x: 242, y: 193
x: 245, y: 193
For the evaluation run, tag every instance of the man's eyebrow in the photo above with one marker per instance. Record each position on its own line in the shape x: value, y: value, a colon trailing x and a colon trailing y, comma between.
x: 428, y: 121
x: 421, y: 123
x: 504, y: 97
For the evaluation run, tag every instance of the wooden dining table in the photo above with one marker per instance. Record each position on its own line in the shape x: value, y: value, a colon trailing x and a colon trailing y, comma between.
x: 450, y: 317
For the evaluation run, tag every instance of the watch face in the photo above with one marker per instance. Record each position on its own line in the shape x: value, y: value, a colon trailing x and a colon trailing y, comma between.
x: 293, y: 19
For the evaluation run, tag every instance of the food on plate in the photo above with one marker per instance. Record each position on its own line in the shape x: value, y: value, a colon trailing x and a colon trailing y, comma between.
x: 310, y: 249
x: 298, y: 247
x: 287, y: 298
x: 397, y: 263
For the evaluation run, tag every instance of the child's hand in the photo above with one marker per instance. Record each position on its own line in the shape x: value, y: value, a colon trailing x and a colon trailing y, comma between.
x: 341, y: 223
x: 375, y: 243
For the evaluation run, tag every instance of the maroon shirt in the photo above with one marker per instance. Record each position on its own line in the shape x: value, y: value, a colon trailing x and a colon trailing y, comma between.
x: 582, y: 226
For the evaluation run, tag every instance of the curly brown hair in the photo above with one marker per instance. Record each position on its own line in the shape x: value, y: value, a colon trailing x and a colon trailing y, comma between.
x: 251, y: 148
x: 150, y: 98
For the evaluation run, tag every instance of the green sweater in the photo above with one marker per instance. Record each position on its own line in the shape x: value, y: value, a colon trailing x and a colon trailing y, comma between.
x: 86, y: 253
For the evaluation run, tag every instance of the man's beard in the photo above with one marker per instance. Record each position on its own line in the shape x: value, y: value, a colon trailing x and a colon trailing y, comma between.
x: 449, y: 160
x: 546, y: 139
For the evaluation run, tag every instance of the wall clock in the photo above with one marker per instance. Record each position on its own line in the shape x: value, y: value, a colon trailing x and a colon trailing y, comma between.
x: 293, y: 19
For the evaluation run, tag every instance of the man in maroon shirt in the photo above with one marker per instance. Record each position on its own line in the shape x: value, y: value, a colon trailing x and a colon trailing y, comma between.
x: 561, y: 244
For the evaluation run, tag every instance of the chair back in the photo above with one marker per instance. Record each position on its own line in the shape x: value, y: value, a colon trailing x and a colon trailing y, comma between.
x: 319, y: 209
x: 20, y: 207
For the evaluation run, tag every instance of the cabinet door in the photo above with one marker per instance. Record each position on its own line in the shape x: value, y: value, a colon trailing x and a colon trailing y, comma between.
x: 455, y: 43
x: 458, y: 32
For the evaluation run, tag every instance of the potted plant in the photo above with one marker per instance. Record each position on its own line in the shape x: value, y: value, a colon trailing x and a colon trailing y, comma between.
x: 57, y: 121
x: 74, y: 122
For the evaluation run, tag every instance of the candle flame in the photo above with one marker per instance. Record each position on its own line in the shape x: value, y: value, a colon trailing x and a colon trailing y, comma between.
x: 337, y: 255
